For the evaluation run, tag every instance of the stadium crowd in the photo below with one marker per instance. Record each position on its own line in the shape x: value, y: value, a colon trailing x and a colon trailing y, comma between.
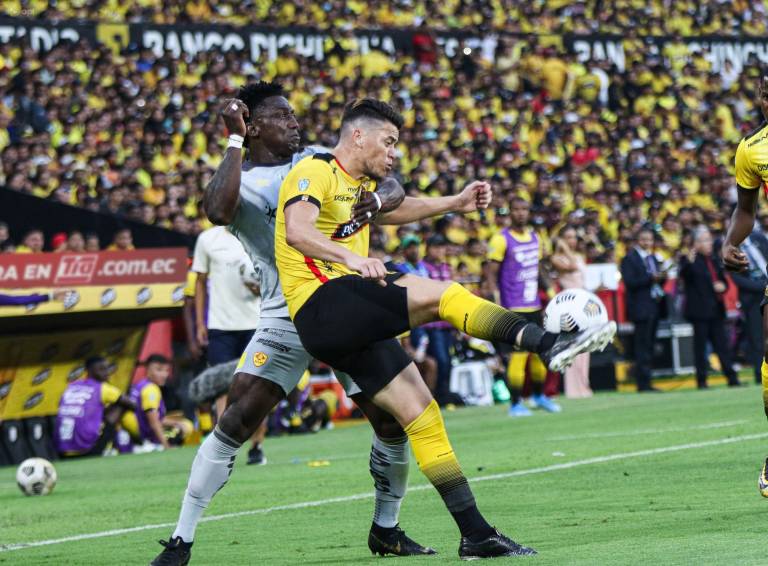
x: 657, y: 17
x: 586, y: 145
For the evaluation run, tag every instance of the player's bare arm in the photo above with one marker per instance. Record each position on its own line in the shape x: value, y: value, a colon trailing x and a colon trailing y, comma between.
x: 742, y: 222
x: 302, y: 234
x: 388, y: 196
x: 222, y: 195
x: 475, y: 196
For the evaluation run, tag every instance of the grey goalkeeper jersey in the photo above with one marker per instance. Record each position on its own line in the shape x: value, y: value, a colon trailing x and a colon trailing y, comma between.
x: 254, y: 226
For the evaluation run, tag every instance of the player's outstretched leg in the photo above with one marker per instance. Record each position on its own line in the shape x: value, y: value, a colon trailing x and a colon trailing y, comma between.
x: 250, y: 400
x: 430, y: 300
x: 408, y: 399
x: 389, y: 465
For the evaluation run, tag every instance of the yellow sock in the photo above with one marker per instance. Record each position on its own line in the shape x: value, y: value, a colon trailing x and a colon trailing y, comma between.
x: 538, y: 369
x: 436, y: 459
x: 764, y: 373
x: 516, y: 370
x: 478, y: 317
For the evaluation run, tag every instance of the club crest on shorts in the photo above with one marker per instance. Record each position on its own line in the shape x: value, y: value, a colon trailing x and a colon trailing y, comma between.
x: 303, y: 185
x: 259, y: 359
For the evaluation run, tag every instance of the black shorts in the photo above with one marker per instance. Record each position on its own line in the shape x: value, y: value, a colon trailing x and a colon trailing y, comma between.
x: 351, y: 323
x: 536, y: 317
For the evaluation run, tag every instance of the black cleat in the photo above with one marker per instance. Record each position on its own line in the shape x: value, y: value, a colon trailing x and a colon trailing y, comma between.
x: 176, y: 553
x: 494, y: 546
x: 568, y: 345
x: 395, y: 541
x: 256, y: 456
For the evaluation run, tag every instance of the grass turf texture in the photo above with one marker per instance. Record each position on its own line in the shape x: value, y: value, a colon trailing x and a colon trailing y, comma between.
x: 691, y: 506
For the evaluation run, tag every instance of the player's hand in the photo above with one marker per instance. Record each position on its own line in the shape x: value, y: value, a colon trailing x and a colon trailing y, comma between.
x: 202, y: 335
x: 234, y: 113
x: 366, y: 209
x: 475, y: 196
x: 734, y: 259
x: 61, y: 294
x: 369, y: 268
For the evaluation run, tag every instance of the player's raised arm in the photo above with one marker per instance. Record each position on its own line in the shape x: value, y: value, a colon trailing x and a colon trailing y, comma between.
x: 475, y: 196
x: 222, y: 195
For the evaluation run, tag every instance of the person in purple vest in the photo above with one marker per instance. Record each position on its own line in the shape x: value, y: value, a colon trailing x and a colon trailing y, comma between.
x: 89, y: 411
x: 150, y: 424
x: 512, y: 272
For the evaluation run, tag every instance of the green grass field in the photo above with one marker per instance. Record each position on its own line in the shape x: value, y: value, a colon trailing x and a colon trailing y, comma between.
x: 618, y: 479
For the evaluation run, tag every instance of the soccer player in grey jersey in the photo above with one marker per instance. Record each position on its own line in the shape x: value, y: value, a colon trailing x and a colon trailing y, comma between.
x: 244, y: 196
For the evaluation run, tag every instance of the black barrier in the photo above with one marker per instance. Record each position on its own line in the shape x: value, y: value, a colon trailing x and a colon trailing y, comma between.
x: 22, y: 212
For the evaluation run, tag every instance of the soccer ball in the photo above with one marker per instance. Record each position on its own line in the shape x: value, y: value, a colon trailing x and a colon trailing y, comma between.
x: 36, y: 476
x: 574, y: 310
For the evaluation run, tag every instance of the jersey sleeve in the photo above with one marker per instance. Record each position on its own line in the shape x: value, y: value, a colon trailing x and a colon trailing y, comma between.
x: 309, y: 181
x: 201, y: 261
x: 497, y: 248
x: 189, y: 286
x: 151, y: 397
x: 109, y: 394
x: 746, y: 177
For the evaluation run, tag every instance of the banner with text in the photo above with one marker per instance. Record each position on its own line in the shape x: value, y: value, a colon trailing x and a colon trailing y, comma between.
x: 122, y: 280
x: 257, y: 41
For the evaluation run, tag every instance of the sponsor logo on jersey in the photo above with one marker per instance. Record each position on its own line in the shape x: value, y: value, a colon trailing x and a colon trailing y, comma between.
x: 303, y: 185
x: 757, y: 141
x: 259, y: 359
x: 346, y: 230
x: 763, y: 167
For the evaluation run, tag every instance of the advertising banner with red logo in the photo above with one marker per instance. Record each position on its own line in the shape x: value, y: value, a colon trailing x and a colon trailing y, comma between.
x: 110, y: 280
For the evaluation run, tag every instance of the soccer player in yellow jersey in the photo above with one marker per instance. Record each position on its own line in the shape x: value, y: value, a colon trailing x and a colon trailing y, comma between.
x: 751, y: 176
x: 348, y: 310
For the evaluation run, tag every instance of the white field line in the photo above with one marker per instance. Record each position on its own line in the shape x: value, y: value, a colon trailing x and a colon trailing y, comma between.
x: 421, y: 487
x: 722, y: 424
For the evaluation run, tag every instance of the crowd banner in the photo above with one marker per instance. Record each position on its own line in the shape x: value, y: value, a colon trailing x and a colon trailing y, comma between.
x: 258, y: 41
x: 100, y: 281
x: 716, y: 49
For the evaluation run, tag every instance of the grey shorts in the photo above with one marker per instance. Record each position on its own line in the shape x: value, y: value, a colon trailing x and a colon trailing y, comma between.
x: 275, y: 353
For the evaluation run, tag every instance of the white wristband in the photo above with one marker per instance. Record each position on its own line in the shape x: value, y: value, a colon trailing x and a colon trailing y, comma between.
x: 235, y: 141
x: 378, y: 202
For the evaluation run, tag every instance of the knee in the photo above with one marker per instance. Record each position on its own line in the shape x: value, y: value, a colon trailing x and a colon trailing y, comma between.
x: 250, y: 400
x: 388, y: 428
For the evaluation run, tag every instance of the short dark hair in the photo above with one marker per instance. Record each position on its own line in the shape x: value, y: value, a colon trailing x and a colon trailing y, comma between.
x: 93, y: 360
x: 254, y: 94
x: 157, y: 359
x: 372, y: 108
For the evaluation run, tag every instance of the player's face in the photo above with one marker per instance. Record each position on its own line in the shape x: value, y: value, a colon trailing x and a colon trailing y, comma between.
x: 520, y: 213
x: 762, y: 96
x: 100, y: 370
x: 159, y: 373
x: 277, y: 127
x: 378, y: 144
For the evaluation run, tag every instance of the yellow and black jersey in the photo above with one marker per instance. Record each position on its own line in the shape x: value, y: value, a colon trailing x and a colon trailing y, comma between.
x: 752, y: 159
x: 322, y: 181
